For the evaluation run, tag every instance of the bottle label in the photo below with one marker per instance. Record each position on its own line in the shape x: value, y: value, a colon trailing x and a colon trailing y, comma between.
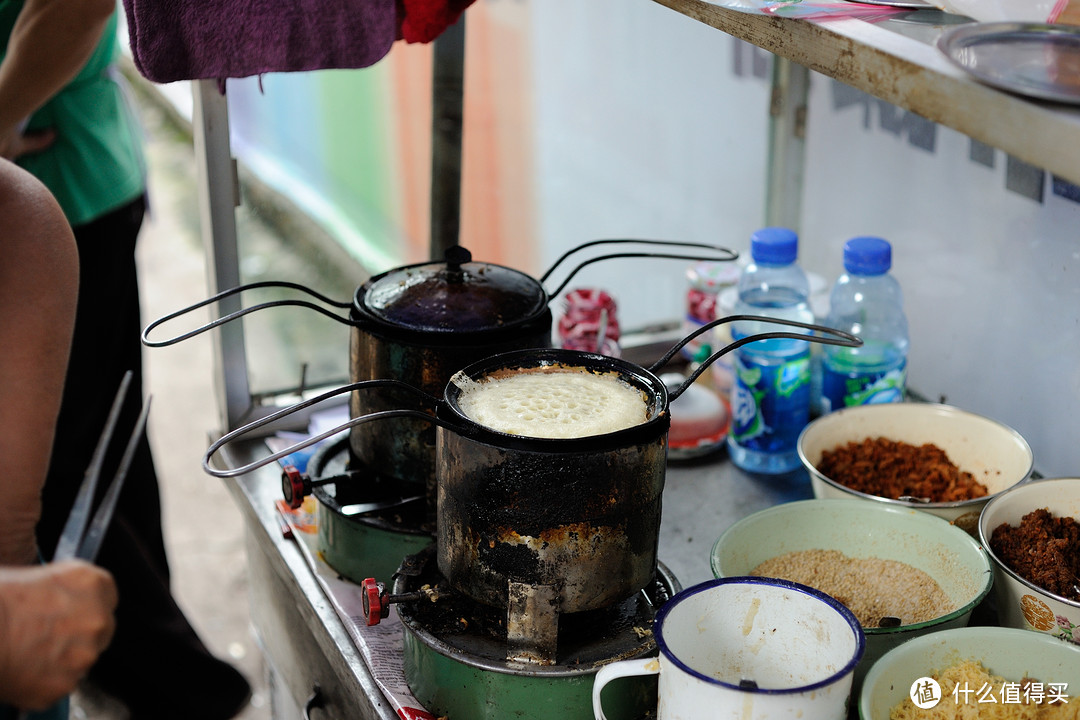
x: 840, y: 389
x: 770, y: 400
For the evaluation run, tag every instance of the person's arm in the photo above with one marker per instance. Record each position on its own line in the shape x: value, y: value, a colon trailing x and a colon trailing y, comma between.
x: 38, y: 292
x: 49, y: 44
x: 55, y: 620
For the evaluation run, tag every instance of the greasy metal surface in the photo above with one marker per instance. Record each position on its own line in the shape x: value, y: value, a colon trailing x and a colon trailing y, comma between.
x: 369, y: 545
x: 364, y: 485
x: 532, y: 623
x: 473, y: 634
x: 587, y: 521
x: 910, y: 73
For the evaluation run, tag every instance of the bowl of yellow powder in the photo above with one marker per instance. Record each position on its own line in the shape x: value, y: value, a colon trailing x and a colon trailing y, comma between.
x: 902, y: 572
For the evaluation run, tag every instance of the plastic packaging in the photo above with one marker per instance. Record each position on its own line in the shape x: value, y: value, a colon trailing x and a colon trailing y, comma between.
x: 705, y: 280
x: 770, y: 398
x: 866, y: 301
x: 589, y: 322
x: 1030, y: 11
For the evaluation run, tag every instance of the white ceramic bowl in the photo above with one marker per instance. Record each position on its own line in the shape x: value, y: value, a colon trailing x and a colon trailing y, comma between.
x: 859, y: 529
x: 994, y: 453
x: 1007, y: 652
x: 1020, y: 603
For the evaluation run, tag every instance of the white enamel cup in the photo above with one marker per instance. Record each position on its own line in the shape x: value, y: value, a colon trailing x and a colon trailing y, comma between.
x: 748, y: 648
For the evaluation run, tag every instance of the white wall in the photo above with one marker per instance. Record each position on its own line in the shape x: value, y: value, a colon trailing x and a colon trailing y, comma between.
x: 645, y: 130
x: 986, y: 248
x: 653, y: 125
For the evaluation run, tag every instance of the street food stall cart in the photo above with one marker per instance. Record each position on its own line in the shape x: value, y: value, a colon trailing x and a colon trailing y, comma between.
x: 316, y: 651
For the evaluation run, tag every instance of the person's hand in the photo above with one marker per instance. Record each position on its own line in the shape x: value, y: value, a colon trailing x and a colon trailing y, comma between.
x: 55, y: 620
x: 17, y: 143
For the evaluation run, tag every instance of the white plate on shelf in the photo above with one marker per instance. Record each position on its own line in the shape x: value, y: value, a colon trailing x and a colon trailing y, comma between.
x: 1034, y: 60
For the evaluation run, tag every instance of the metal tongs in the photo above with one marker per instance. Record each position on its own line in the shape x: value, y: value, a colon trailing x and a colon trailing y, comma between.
x: 77, y: 540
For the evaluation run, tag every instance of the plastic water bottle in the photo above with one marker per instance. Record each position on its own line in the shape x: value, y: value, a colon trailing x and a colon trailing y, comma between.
x: 866, y: 301
x: 771, y: 395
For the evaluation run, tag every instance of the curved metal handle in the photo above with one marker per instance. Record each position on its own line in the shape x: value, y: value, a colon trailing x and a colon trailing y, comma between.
x: 245, y: 311
x: 831, y: 336
x: 727, y: 255
x: 315, y: 700
x: 362, y: 385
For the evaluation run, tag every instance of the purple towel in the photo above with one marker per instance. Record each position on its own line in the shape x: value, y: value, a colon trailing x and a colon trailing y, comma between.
x: 218, y: 39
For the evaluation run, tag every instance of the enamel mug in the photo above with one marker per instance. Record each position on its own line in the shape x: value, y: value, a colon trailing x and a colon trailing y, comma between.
x: 748, y: 648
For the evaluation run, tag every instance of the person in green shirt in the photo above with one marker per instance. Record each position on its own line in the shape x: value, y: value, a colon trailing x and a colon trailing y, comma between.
x: 64, y: 118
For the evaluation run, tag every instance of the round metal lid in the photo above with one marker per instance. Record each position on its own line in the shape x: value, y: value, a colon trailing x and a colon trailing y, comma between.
x: 457, y: 295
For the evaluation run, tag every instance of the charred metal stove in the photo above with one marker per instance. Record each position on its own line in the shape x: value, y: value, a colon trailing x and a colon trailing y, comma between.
x: 463, y: 658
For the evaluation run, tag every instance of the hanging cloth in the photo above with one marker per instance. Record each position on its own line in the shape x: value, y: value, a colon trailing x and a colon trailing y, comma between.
x: 216, y: 39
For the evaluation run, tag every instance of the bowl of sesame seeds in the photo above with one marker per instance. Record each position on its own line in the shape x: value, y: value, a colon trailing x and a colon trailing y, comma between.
x: 903, y: 573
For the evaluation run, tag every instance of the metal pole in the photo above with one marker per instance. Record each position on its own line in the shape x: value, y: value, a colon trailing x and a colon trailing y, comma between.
x: 448, y: 86
x: 219, y: 195
x: 787, y: 143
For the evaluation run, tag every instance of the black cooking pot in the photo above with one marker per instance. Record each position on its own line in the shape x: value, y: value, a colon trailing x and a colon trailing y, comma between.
x: 420, y: 324
x: 581, y: 515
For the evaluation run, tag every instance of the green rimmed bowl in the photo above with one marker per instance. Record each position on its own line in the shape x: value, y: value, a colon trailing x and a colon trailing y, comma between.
x: 1006, y: 652
x: 858, y: 529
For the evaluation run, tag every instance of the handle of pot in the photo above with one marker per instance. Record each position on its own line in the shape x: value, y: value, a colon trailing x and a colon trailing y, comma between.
x: 315, y: 700
x: 725, y: 255
x: 245, y: 311
x: 829, y: 336
x: 362, y: 385
x: 622, y: 668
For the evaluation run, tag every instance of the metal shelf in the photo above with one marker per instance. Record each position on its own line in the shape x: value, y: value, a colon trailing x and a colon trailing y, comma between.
x: 897, y: 60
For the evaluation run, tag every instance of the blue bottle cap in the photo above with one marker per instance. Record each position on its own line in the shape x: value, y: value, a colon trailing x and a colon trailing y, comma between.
x: 867, y: 256
x: 774, y: 246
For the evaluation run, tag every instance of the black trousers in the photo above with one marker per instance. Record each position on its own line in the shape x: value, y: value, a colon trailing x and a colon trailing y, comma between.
x: 156, y: 663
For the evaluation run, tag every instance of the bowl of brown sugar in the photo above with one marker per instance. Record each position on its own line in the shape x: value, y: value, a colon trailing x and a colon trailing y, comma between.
x: 1032, y: 534
x: 903, y: 573
x: 937, y: 458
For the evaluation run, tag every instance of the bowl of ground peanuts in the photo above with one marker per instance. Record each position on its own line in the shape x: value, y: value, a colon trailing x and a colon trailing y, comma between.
x: 903, y: 573
x: 933, y: 457
x: 1032, y: 535
x: 975, y: 672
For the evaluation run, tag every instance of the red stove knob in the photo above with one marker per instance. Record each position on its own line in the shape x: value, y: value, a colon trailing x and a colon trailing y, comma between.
x: 293, y: 486
x: 372, y: 598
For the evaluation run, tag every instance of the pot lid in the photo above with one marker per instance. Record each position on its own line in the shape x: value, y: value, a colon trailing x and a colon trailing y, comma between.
x: 457, y: 295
